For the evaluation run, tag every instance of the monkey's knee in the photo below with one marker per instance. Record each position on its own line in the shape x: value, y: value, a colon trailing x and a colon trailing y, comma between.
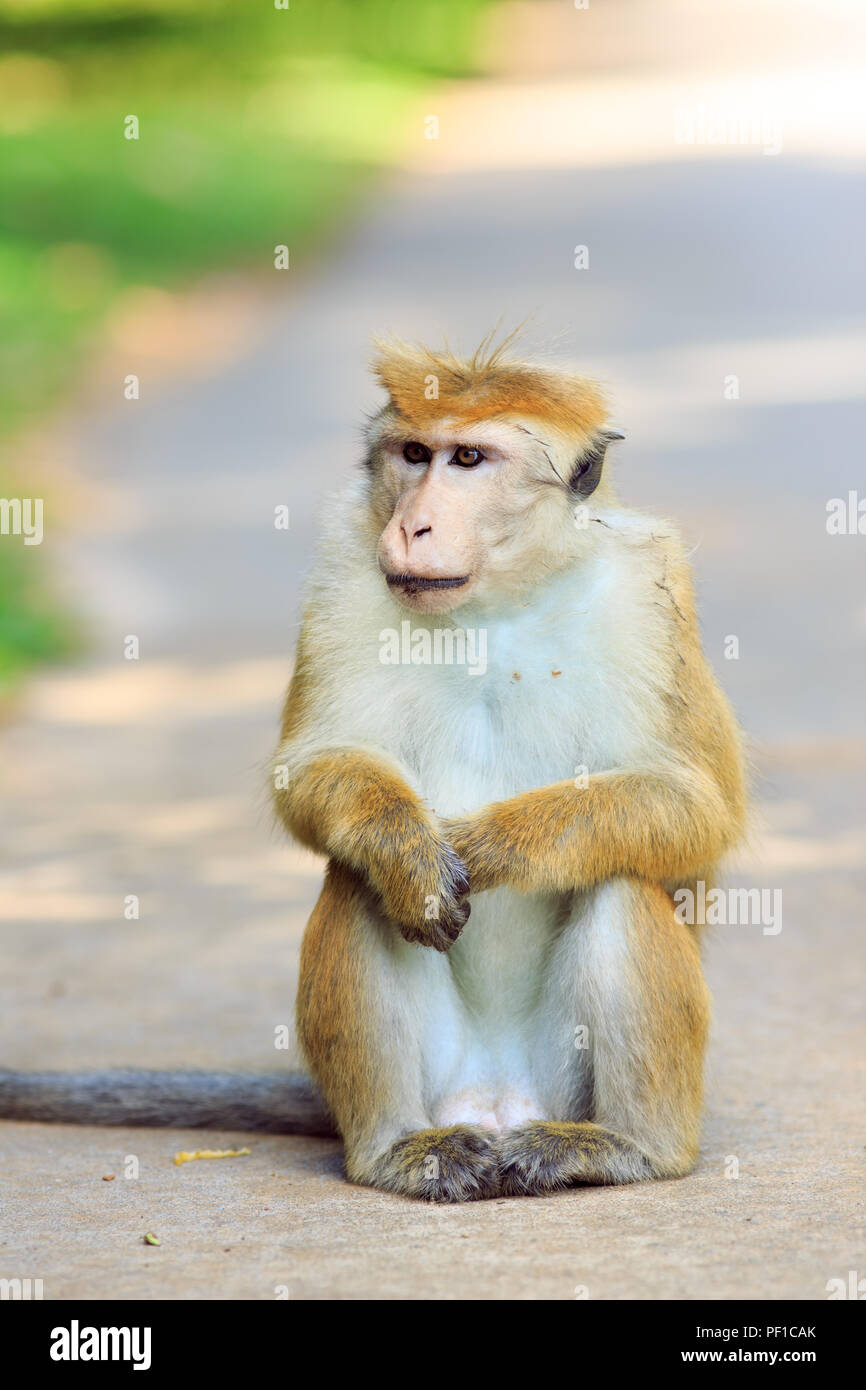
x: 549, y: 1155
x: 456, y: 1164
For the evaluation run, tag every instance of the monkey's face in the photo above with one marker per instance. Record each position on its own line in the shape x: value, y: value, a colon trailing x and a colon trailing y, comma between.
x: 474, y: 510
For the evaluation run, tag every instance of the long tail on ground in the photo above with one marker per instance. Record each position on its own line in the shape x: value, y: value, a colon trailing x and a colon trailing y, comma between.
x: 271, y: 1104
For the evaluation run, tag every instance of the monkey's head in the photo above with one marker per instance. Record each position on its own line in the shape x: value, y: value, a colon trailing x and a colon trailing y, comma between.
x: 477, y: 470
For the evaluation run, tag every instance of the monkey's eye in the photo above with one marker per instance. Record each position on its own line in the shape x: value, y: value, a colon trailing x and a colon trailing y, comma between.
x: 413, y: 452
x: 467, y: 457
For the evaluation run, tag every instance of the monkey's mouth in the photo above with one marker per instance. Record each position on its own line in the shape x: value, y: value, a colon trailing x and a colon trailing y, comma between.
x: 416, y: 583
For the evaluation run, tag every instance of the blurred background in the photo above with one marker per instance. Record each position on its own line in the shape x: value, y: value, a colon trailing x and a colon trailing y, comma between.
x: 672, y: 192
x: 258, y: 125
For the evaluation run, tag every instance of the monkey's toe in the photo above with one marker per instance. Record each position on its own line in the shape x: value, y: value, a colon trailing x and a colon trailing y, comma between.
x: 548, y: 1155
x: 456, y: 1164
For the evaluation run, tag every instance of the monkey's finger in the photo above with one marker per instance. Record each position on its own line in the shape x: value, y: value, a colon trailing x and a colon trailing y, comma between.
x: 459, y: 878
x: 436, y: 940
x: 459, y: 915
x: 452, y: 924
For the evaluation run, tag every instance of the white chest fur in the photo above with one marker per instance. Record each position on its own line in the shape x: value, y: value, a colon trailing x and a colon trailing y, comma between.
x: 491, y: 705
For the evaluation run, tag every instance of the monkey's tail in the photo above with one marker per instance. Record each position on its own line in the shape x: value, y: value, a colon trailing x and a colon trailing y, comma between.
x: 271, y: 1104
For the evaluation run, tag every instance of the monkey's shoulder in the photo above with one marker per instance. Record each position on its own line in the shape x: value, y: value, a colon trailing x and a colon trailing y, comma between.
x: 649, y: 556
x: 640, y: 532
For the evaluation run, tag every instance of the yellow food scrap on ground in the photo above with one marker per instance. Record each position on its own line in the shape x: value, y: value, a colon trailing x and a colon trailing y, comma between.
x: 184, y: 1157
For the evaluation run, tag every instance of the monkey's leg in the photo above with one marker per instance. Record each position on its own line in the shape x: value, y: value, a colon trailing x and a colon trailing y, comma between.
x: 625, y: 984
x: 380, y: 1024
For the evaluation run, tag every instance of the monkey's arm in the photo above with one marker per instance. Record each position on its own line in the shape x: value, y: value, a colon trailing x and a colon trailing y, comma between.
x: 356, y: 806
x: 662, y: 826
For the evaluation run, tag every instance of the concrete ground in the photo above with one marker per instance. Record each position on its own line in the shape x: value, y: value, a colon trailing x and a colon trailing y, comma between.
x: 147, y: 777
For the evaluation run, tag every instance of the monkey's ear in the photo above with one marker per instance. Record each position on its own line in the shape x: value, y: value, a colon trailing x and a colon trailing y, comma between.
x: 586, y: 474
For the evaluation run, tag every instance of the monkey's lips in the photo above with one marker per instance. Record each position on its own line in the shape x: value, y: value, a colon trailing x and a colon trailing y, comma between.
x: 428, y: 593
x: 417, y: 583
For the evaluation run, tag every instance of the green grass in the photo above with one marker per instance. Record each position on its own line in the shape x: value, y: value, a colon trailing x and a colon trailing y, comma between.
x: 33, y: 626
x: 257, y: 127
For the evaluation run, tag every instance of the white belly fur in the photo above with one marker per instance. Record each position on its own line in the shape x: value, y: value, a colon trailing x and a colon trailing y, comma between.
x: 496, y: 981
x: 514, y: 991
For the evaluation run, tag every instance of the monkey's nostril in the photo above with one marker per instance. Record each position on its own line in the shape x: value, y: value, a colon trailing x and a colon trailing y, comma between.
x: 425, y: 531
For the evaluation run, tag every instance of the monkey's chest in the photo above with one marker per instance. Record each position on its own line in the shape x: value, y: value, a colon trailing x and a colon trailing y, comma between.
x: 512, y: 733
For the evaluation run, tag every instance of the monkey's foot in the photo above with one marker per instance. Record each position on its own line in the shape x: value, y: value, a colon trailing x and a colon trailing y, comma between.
x: 457, y: 1164
x: 548, y: 1155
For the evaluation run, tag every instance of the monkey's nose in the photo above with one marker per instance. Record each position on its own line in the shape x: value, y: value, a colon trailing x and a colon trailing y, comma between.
x: 410, y: 535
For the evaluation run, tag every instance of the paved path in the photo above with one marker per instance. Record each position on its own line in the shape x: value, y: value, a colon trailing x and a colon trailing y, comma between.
x: 147, y: 777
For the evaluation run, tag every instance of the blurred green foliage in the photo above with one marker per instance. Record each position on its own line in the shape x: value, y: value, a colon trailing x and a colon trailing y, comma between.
x: 33, y: 626
x: 257, y: 125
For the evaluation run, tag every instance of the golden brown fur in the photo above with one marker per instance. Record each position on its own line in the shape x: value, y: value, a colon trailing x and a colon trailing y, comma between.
x: 485, y: 386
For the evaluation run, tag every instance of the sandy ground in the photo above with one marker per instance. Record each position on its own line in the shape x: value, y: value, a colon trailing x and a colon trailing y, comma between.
x: 146, y: 778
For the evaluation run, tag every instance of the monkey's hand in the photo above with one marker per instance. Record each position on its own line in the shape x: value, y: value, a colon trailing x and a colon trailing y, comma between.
x: 423, y: 887
x: 481, y: 849
x: 355, y: 807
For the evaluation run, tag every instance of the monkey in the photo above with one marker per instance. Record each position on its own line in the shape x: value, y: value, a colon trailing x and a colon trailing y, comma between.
x: 497, y: 995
